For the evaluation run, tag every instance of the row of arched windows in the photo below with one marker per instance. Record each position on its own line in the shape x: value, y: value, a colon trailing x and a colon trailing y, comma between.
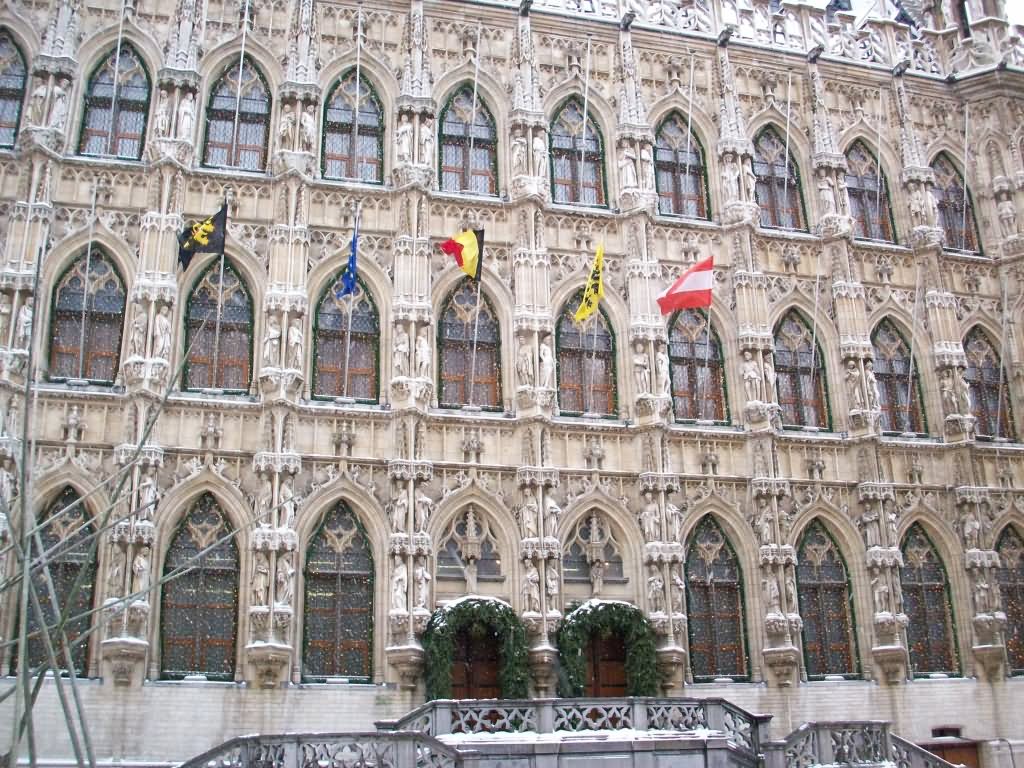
x: 88, y: 315
x: 199, y: 607
x: 238, y: 134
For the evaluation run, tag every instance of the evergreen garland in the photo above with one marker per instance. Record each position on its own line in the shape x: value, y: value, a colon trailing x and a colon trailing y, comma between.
x: 481, y: 618
x: 607, y: 619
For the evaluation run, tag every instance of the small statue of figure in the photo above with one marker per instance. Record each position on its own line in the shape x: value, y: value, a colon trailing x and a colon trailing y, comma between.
x: 655, y: 591
x: 551, y: 513
x: 764, y: 521
x: 675, y: 522
x: 137, y: 340
x: 880, y: 594
x: 403, y: 145
x: 949, y: 398
x: 37, y: 107
x: 59, y: 107
x: 115, y: 572
x: 524, y: 362
x: 547, y: 365
x: 285, y: 578
x: 1007, y: 218
x: 551, y: 582
x: 149, y: 494
x: 295, y: 344
x: 423, y: 354
x: 518, y: 153
x: 540, y: 155
x: 427, y: 142
x: 641, y: 370
x: 646, y: 168
x: 972, y: 532
x: 162, y: 333
x: 399, y: 512
x: 750, y: 181
x: 162, y: 123
x: 422, y: 579
x: 753, y: 378
x: 286, y: 129
x: 650, y: 518
x: 528, y: 514
x: 771, y: 586
x: 140, y: 573
x: 731, y: 178
x: 662, y: 369
x: 422, y: 510
x: 23, y: 335
x: 400, y: 353
x: 186, y: 117
x: 627, y: 167
x: 531, y: 588
x: 5, y: 317
x: 272, y: 343
x: 854, y: 395
x: 287, y: 502
x: 871, y: 385
x: 307, y: 124
x: 964, y: 393
x: 826, y: 193
x: 399, y: 584
x: 791, y: 603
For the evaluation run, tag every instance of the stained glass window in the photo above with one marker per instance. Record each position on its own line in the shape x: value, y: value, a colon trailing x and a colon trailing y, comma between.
x: 219, y: 353
x: 679, y: 170
x: 825, y: 605
x: 67, y: 537
x: 1010, y: 576
x: 586, y: 362
x: 115, y: 111
x: 13, y: 75
x: 342, y: 132
x: 956, y: 210
x: 926, y: 603
x: 577, y: 161
x: 892, y: 368
x: 338, y: 614
x: 714, y: 596
x: 468, y: 315
x: 199, y: 608
x: 868, y: 191
x: 592, y: 541
x: 87, y: 321
x: 462, y: 170
x: 238, y: 120
x: 347, y: 339
x: 800, y: 373
x: 698, y: 382
x: 777, y: 189
x: 990, y: 398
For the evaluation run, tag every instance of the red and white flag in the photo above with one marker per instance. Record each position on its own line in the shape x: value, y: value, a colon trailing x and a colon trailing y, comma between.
x: 692, y: 289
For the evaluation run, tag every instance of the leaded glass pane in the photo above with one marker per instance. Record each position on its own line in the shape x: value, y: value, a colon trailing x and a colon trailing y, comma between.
x: 698, y: 382
x: 1010, y: 577
x: 777, y: 190
x: 115, y: 111
x: 87, y: 321
x: 927, y: 605
x: 679, y: 170
x: 586, y: 362
x: 899, y: 387
x: 342, y: 132
x: 13, y: 75
x: 800, y: 374
x: 714, y: 596
x: 824, y: 597
x: 219, y: 353
x: 868, y: 191
x: 338, y: 614
x: 577, y: 158
x: 956, y: 211
x: 238, y: 120
x: 347, y: 340
x: 990, y: 395
x: 469, y: 146
x: 199, y: 607
x: 470, y: 342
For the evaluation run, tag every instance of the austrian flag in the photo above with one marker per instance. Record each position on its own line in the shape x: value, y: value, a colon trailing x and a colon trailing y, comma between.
x: 692, y: 289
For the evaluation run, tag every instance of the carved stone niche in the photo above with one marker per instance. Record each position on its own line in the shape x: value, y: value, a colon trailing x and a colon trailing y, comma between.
x: 782, y: 665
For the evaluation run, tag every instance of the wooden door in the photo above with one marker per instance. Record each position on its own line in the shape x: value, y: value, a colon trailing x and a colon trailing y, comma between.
x: 475, y: 667
x: 956, y: 752
x: 606, y: 667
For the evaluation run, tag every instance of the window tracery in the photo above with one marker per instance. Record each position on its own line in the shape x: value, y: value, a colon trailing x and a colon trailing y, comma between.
x: 115, y: 112
x: 237, y: 129
x: 680, y: 171
x: 592, y: 553
x: 13, y: 78
x: 926, y: 603
x: 1010, y: 577
x: 586, y: 362
x: 698, y: 379
x: 800, y: 374
x: 892, y: 368
x: 350, y: 323
x: 868, y: 190
x: 219, y: 353
x: 460, y: 169
x: 990, y: 398
x: 955, y: 207
x: 825, y: 605
x: 577, y: 161
x: 469, y: 313
x: 469, y: 550
x: 342, y: 132
x: 777, y: 189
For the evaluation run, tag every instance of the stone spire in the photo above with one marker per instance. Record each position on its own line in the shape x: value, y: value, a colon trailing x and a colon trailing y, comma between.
x: 417, y: 82
x: 61, y: 38
x: 303, y: 44
x: 632, y: 111
x: 526, y: 83
x: 182, y: 50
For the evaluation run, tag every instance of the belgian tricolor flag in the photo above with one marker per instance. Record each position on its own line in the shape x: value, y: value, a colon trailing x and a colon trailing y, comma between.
x: 206, y: 236
x: 467, y: 248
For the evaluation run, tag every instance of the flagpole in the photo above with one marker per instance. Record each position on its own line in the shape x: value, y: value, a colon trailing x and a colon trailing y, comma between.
x: 963, y: 218
x: 111, y: 147
x: 702, y: 382
x: 476, y: 325
x: 878, y: 161
x: 351, y: 303
x: 586, y: 107
x: 220, y: 299
x: 785, y: 159
x: 913, y: 334
x: 472, y: 129
x: 1002, y: 357
x: 689, y: 132
x: 238, y: 105
x: 85, y: 285
x: 814, y: 322
x: 588, y: 405
x: 355, y: 119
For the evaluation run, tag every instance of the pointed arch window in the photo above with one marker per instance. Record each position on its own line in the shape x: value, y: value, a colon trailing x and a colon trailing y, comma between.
x: 679, y: 170
x: 577, y: 160
x: 868, y: 190
x: 899, y: 385
x: 777, y: 189
x: 714, y: 594
x: 116, y: 106
x: 87, y: 320
x: 990, y: 399
x: 1010, y: 579
x: 468, y: 314
x: 592, y: 553
x: 338, y: 613
x: 586, y: 362
x: 347, y: 351
x: 800, y: 374
x: 469, y: 551
x: 956, y: 210
x: 13, y: 77
x: 219, y: 351
x: 698, y: 381
x: 342, y: 132
x: 926, y: 602
x: 826, y: 605
x: 68, y: 539
x: 464, y: 168
x: 238, y: 119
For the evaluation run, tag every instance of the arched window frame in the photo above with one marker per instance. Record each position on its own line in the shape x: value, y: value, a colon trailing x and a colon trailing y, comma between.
x: 470, y: 170
x: 371, y: 125
x: 214, y: 267
x: 950, y: 201
x: 679, y: 176
x: 573, y: 184
x: 13, y: 81
x: 889, y: 382
x: 587, y: 334
x: 802, y: 589
x: 1011, y: 589
x: 986, y: 394
x: 341, y: 508
x: 770, y: 182
x: 121, y: 107
x: 716, y: 364
x: 330, y: 291
x: 950, y: 614
x: 234, y: 148
x: 88, y: 335
x: 870, y: 221
x: 485, y: 302
x: 821, y: 376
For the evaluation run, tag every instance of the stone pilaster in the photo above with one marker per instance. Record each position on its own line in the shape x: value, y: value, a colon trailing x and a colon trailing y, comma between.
x: 529, y: 142
x: 534, y: 327
x: 634, y: 154
x: 652, y: 382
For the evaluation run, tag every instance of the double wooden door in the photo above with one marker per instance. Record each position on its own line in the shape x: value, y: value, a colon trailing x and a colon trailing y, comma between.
x: 475, y: 666
x: 606, y: 667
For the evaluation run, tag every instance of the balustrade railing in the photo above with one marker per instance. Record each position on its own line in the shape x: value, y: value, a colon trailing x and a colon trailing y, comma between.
x: 859, y: 742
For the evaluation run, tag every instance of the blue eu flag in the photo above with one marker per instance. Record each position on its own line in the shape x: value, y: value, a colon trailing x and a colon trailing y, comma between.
x: 348, y: 273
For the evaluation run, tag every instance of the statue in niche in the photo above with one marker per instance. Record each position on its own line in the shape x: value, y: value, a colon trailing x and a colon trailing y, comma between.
x: 149, y: 494
x: 880, y: 594
x: 1007, y: 212
x: 826, y: 193
x: 972, y: 532
x: 749, y: 181
x: 663, y: 371
x: 949, y: 398
x: 650, y: 518
x: 655, y: 591
x: 8, y: 484
x: 531, y: 588
x: 764, y: 521
x: 731, y: 178
x: 551, y: 582
x: 675, y: 522
x: 872, y: 532
x: 547, y: 365
x: 424, y: 353
x: 272, y: 343
x: 287, y: 501
x: 399, y: 512
x: 421, y: 577
x: 854, y: 393
x: 771, y: 588
x: 403, y: 140
x: 186, y: 117
x: 400, y: 353
x: 23, y: 334
x: 140, y: 573
x: 551, y: 514
x: 260, y: 585
x: 791, y: 602
x: 59, y: 107
x: 307, y: 129
x: 162, y: 121
x: 285, y: 579
x: 753, y: 378
x: 597, y: 569
x: 162, y: 333
x: 627, y: 167
x: 286, y: 129
x: 427, y: 141
x: 871, y: 385
x: 646, y: 168
x: 540, y: 154
x: 422, y: 511
x: 399, y: 584
x: 518, y: 153
x: 964, y: 392
x: 115, y: 572
x: 36, y: 113
x: 524, y: 362
x: 678, y: 589
x: 641, y: 370
x: 295, y: 344
x: 137, y: 340
x: 5, y: 317
x: 528, y: 513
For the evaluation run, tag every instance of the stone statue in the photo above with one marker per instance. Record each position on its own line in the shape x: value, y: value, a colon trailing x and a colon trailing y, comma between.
x: 272, y: 343
x: 400, y: 352
x: 427, y: 142
x: 286, y: 129
x: 769, y: 376
x: 424, y: 507
x: 880, y: 594
x: 424, y: 352
x: 162, y: 122
x: 551, y: 582
x: 964, y: 392
x: 528, y: 514
x: 675, y: 522
x: 399, y: 512
x: 655, y: 591
x: 627, y: 168
x: 5, y: 317
x: 972, y: 532
x: 524, y: 362
x: 518, y: 153
x: 551, y: 513
x: 646, y: 168
x: 286, y: 501
x: 597, y: 576
x: 982, y: 596
x: 731, y: 178
x: 399, y: 584
x: 186, y: 117
x: 871, y: 385
x: 1007, y: 218
x: 260, y: 584
x: 826, y: 193
x: 641, y: 370
x: 115, y: 572
x: 137, y: 340
x: 285, y: 579
x: 37, y: 107
x: 307, y: 125
x: 264, y: 500
x: 531, y: 588
x: 547, y: 365
x: 162, y: 333
x: 791, y: 602
x: 23, y: 334
x: 753, y: 378
x: 650, y: 518
x: 540, y: 155
x: 295, y: 344
x: 422, y: 579
x: 8, y: 485
x: 854, y: 394
x: 764, y: 521
x: 771, y: 586
x: 403, y: 145
x: 749, y: 181
x: 949, y: 398
x: 872, y: 533
x: 140, y: 573
x: 59, y: 107
x: 149, y: 494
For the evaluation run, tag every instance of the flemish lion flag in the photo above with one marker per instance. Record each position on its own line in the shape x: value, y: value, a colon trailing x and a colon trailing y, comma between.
x: 467, y: 248
x: 206, y: 236
x: 594, y: 291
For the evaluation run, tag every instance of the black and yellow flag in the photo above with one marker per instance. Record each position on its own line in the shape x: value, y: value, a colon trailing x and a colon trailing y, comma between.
x: 594, y: 291
x: 206, y: 236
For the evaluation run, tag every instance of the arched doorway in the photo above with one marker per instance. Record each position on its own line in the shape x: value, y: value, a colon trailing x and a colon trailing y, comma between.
x: 475, y: 663
x: 606, y: 665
